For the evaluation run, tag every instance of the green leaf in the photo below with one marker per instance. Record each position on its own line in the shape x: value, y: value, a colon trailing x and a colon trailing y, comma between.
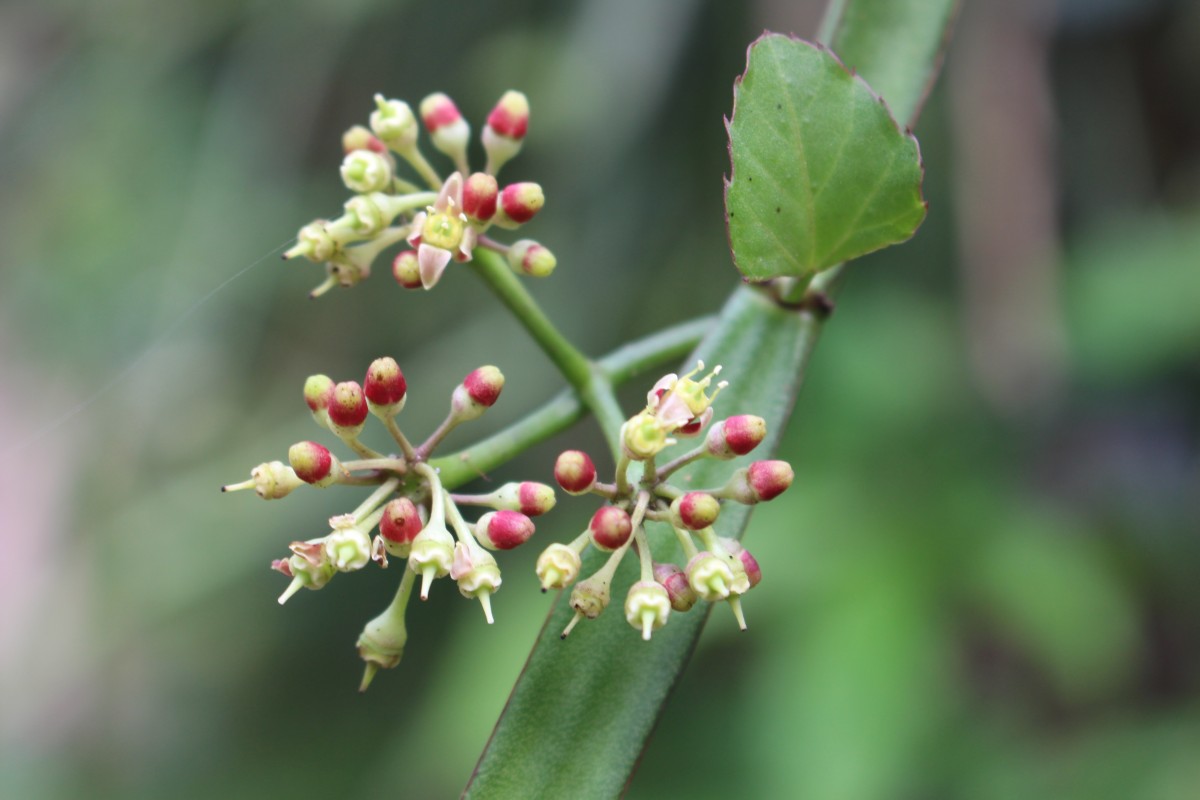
x: 583, y: 707
x: 821, y: 171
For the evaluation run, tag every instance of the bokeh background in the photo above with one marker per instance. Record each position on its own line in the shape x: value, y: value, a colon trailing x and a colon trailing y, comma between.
x: 984, y: 584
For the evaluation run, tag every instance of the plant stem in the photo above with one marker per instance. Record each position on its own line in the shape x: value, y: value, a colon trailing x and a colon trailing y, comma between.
x: 565, y: 409
x: 588, y: 378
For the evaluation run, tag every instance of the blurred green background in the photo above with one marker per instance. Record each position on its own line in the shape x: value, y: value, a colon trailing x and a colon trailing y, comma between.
x: 982, y: 585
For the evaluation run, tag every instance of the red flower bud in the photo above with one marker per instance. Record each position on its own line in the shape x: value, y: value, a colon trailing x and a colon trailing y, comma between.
x: 401, y: 521
x: 736, y: 436
x: 753, y: 571
x: 438, y: 111
x: 385, y: 386
x: 610, y: 527
x: 520, y: 202
x: 317, y: 389
x: 483, y: 385
x: 503, y: 530
x: 574, y: 471
x: 695, y: 510
x: 313, y: 463
x: 406, y: 269
x: 479, y: 196
x: 530, y: 497
x: 675, y: 581
x: 510, y: 117
x: 348, y: 406
x: 769, y: 479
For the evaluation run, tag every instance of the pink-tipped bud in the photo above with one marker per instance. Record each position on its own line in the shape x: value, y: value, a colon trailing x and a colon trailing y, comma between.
x: 574, y: 471
x: 735, y: 436
x: 505, y: 129
x: 529, y: 497
x: 753, y: 570
x: 519, y: 203
x: 527, y: 257
x: 611, y: 527
x: 448, y: 131
x: 314, y: 464
x: 406, y: 269
x: 477, y: 393
x: 695, y: 510
x: 385, y: 387
x: 510, y: 117
x: 317, y: 391
x: 480, y: 193
x: 673, y: 579
x: 360, y: 138
x: 503, y: 530
x: 761, y: 481
x: 400, y: 524
x: 769, y: 479
x: 348, y: 408
x: 484, y: 385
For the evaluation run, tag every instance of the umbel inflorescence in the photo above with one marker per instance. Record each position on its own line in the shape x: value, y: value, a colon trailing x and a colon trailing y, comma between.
x: 410, y: 514
x: 413, y: 516
x: 444, y: 223
x: 720, y: 569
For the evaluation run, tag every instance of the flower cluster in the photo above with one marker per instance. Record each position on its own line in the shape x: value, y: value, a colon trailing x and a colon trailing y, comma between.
x: 720, y: 569
x: 446, y: 222
x: 413, y: 515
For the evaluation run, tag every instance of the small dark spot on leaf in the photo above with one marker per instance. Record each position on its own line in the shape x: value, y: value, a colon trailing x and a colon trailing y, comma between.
x: 750, y: 179
x: 778, y: 106
x: 776, y: 209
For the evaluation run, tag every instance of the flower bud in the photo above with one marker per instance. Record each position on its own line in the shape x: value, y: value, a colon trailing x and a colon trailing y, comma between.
x: 558, y: 566
x: 314, y: 464
x: 270, y: 481
x: 643, y: 436
x: 673, y: 579
x: 529, y: 497
x: 574, y: 471
x: 406, y: 269
x: 735, y: 436
x: 381, y: 643
x: 359, y: 138
x: 362, y: 218
x: 448, y: 131
x: 432, y: 554
x: 348, y: 546
x: 749, y: 563
x: 313, y: 242
x: 695, y: 511
x: 317, y: 391
x: 366, y: 171
x: 503, y: 530
x: 385, y: 387
x: 393, y: 122
x: 399, y: 526
x: 647, y: 607
x: 761, y: 481
x: 479, y: 197
x: 347, y: 409
x: 477, y: 574
x: 611, y: 528
x: 519, y: 203
x: 710, y: 576
x: 505, y: 129
x: 527, y: 257
x: 477, y: 393
x: 589, y: 599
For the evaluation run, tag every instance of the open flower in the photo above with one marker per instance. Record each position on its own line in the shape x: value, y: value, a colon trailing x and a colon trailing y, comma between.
x: 441, y: 232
